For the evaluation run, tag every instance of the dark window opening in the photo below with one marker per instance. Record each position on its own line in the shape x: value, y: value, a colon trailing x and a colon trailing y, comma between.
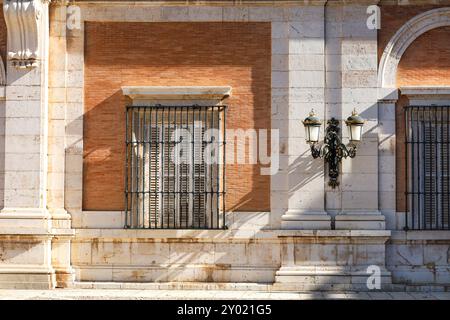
x: 427, y: 172
x: 175, y: 173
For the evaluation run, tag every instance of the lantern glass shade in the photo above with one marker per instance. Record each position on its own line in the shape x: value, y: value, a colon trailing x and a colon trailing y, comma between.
x: 312, y: 128
x: 355, y: 132
x: 355, y: 127
x: 312, y: 133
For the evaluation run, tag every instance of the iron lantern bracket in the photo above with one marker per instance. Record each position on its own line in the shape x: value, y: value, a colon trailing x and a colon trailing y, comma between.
x: 332, y: 151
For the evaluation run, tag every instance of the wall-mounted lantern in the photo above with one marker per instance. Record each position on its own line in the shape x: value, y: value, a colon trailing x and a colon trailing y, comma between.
x: 333, y: 150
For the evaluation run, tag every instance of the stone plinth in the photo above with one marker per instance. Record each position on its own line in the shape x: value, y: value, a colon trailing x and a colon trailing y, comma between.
x: 332, y: 260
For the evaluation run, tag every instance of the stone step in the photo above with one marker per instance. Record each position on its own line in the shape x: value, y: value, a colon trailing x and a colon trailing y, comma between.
x: 257, y: 287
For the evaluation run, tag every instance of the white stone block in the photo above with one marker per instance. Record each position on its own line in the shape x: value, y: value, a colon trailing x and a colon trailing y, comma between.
x: 56, y: 111
x: 360, y: 164
x: 235, y: 14
x: 306, y: 29
x: 311, y: 95
x: 306, y: 181
x: 357, y: 95
x: 143, y: 13
x: 387, y: 200
x: 22, y: 109
x: 74, y: 111
x: 75, y: 78
x: 280, y: 79
x: 280, y: 62
x: 305, y: 13
x: 280, y: 46
x: 184, y: 253
x: 22, y: 179
x: 306, y: 46
x: 387, y: 182
x: 359, y: 62
x: 175, y: 13
x: 16, y: 198
x: 75, y: 95
x: 306, y: 79
x: 311, y: 62
x: 306, y: 200
x: 359, y: 79
x: 359, y: 181
x: 74, y: 127
x: 360, y: 200
x: 358, y: 47
x: 21, y: 144
x: 266, y: 14
x: 358, y: 30
x: 280, y: 30
x: 204, y: 13
x: 22, y: 92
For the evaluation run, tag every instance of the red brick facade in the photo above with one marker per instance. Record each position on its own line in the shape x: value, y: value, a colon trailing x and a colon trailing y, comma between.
x: 171, y: 54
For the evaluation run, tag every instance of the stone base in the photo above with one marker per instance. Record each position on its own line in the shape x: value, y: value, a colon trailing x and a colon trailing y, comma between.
x: 419, y: 258
x: 31, y: 244
x: 360, y: 221
x: 298, y: 220
x: 328, y: 260
x: 26, y: 277
x: 324, y: 278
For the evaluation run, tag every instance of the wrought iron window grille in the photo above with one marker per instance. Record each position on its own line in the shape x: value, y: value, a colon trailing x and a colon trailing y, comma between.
x: 427, y: 139
x: 175, y: 167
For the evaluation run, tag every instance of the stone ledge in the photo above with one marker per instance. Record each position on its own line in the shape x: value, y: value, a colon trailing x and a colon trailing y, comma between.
x: 222, y: 235
x: 177, y: 93
x: 424, y: 91
x: 424, y: 235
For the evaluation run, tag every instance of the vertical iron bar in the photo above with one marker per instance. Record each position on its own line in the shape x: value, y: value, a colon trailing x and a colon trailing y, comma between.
x: 150, y: 172
x: 144, y: 195
x: 197, y: 189
x: 126, y: 167
x: 435, y: 171
x: 441, y: 171
x: 177, y: 181
x: 217, y: 174
x: 157, y: 171
x: 192, y: 167
x: 224, y: 143
x: 211, y: 168
x: 407, y: 128
x: 163, y: 142
x: 448, y: 166
x: 167, y: 154
x: 133, y: 156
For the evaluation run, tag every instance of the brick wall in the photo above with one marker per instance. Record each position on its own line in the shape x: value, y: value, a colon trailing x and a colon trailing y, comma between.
x: 171, y: 54
x: 425, y: 62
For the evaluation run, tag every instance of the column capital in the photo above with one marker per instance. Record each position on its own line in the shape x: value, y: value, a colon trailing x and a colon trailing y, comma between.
x: 24, y: 24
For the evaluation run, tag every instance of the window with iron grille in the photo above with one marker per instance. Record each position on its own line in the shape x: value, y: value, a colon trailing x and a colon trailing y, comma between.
x: 428, y: 162
x: 175, y: 173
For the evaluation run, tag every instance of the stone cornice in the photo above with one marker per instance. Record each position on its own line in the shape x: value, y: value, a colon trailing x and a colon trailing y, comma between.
x: 222, y: 2
x: 426, y: 92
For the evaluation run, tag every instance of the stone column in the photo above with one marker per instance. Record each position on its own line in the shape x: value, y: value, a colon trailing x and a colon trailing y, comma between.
x: 387, y: 158
x: 352, y: 84
x: 58, y: 95
x: 305, y: 176
x: 25, y: 222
